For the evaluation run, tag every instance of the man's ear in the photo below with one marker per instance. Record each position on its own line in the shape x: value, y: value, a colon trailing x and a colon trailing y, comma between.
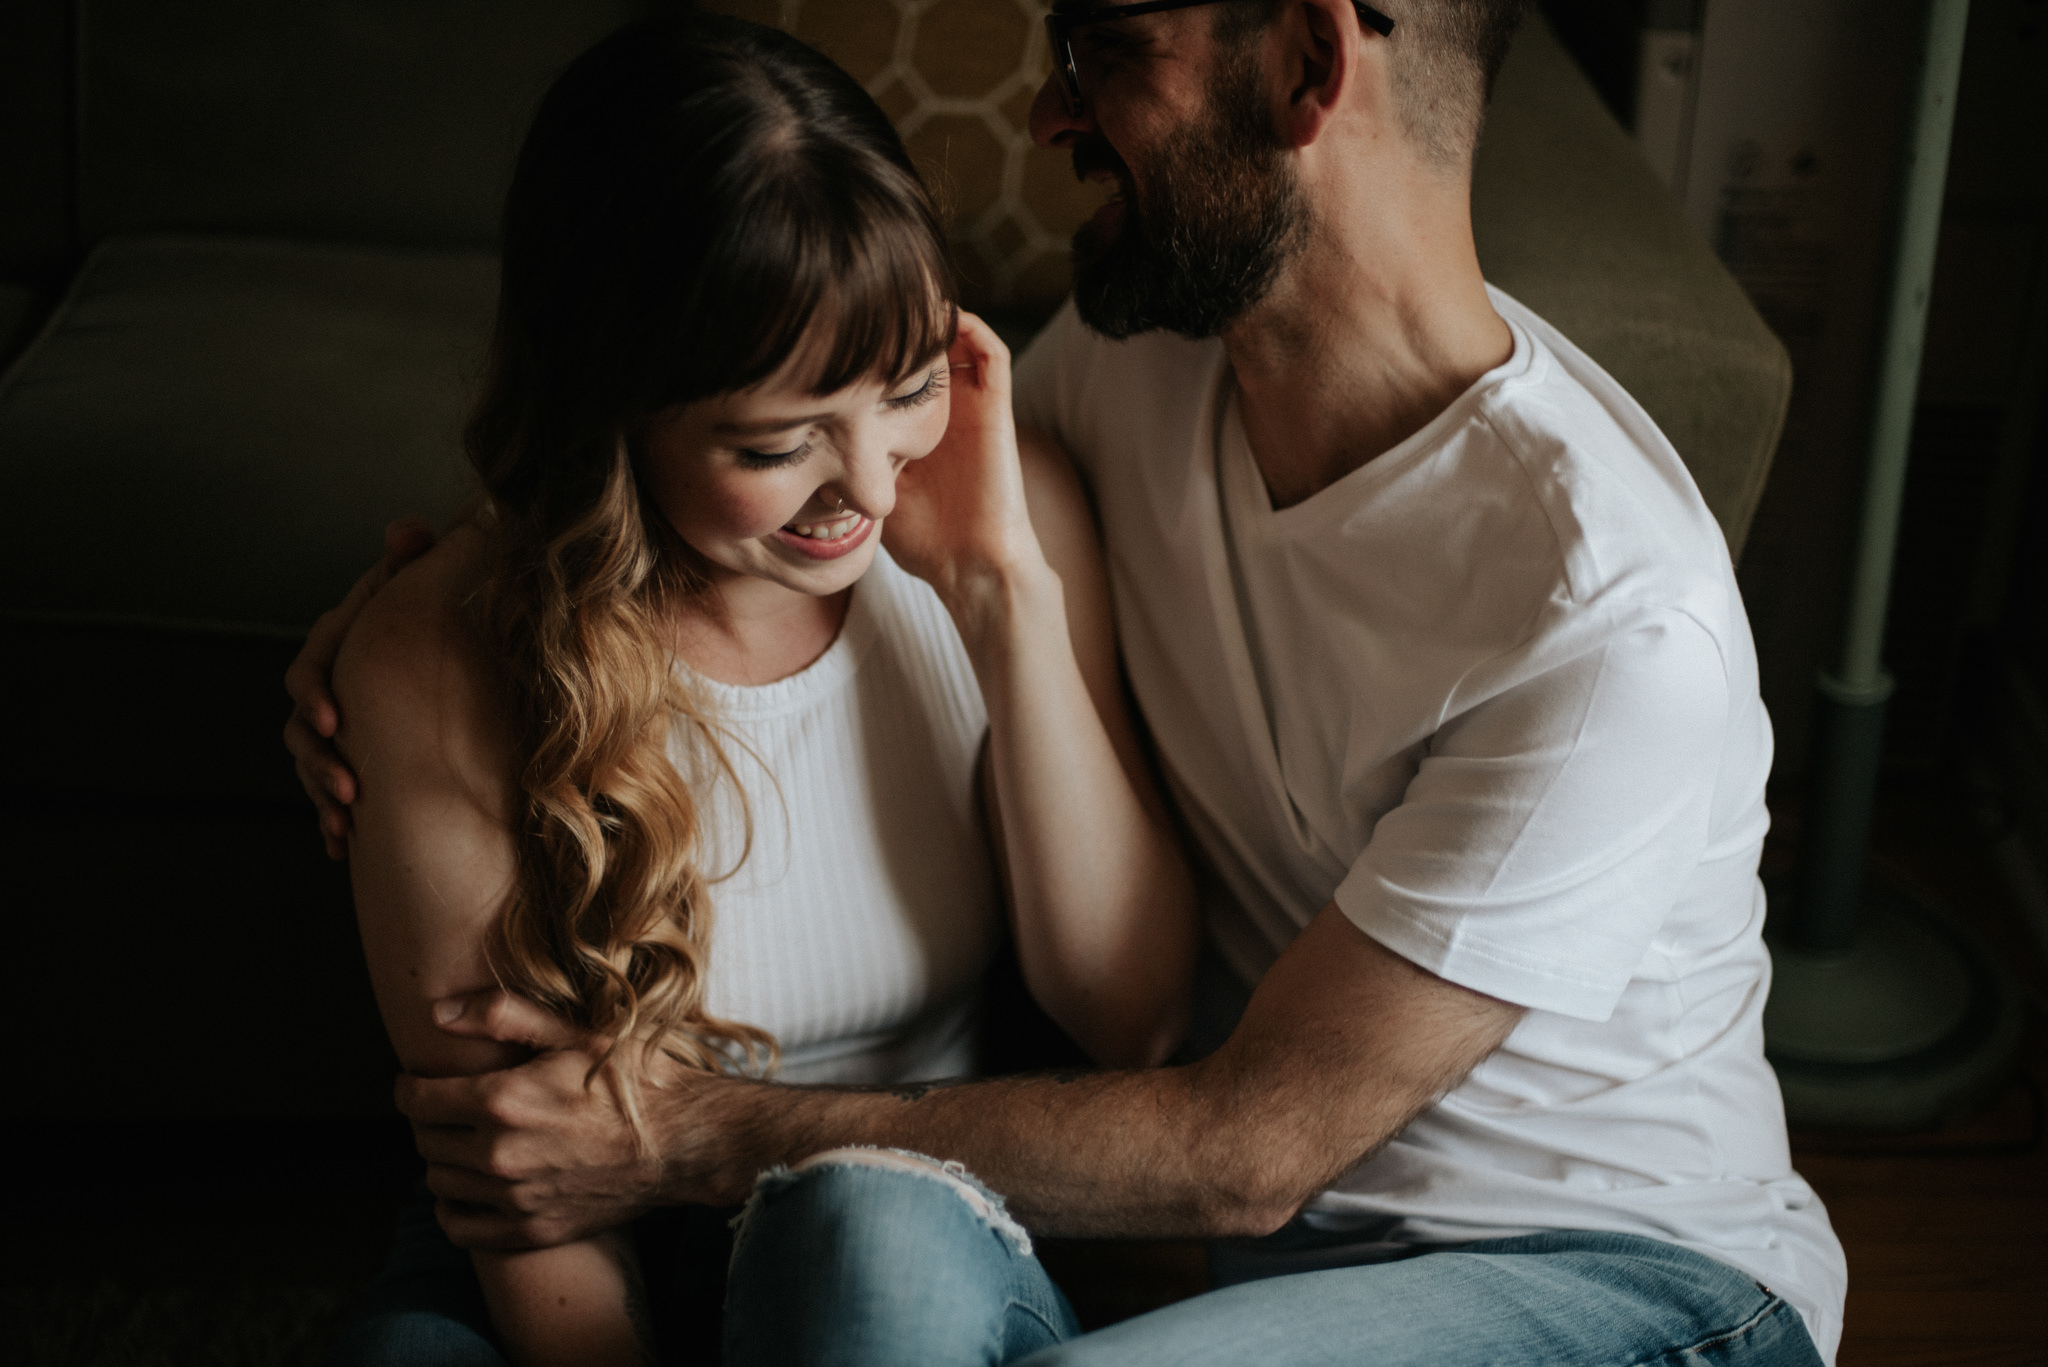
x: 1320, y: 46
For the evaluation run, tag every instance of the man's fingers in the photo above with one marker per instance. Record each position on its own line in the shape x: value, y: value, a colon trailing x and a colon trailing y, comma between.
x: 327, y: 780
x: 464, y: 1185
x: 305, y: 679
x: 333, y: 817
x: 406, y: 540
x: 310, y: 673
x: 469, y: 1226
x: 508, y: 1019
x: 451, y: 1101
x: 451, y: 1146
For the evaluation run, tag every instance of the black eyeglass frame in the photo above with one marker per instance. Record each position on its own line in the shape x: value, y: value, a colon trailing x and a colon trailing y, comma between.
x: 1059, y: 29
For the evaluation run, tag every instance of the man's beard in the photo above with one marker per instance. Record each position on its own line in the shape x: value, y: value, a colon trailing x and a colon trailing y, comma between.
x: 1222, y: 214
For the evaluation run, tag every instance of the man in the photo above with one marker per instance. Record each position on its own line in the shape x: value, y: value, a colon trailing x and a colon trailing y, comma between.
x: 1447, y: 670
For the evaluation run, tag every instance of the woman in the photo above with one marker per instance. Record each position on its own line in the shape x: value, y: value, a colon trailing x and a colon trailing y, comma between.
x: 639, y: 682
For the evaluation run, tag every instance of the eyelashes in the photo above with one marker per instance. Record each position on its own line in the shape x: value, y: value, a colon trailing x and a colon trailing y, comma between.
x: 935, y: 382
x: 768, y: 460
x: 934, y: 385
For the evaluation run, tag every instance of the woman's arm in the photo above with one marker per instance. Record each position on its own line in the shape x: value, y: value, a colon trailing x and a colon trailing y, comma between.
x: 1100, y: 895
x: 432, y: 861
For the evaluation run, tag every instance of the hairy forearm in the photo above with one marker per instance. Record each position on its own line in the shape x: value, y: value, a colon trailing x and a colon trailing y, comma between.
x: 1342, y: 1045
x: 1102, y: 902
x: 1168, y: 1152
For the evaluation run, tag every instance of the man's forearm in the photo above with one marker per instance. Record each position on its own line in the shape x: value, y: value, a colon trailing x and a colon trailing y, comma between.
x: 1136, y: 1153
x: 1342, y: 1044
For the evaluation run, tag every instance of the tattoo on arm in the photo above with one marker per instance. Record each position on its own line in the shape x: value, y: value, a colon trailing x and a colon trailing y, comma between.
x: 918, y: 1091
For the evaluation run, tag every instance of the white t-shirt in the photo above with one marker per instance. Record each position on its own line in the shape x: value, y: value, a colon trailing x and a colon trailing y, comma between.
x: 857, y: 928
x: 1494, y: 693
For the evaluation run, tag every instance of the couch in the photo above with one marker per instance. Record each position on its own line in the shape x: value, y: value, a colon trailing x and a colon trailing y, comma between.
x: 245, y: 275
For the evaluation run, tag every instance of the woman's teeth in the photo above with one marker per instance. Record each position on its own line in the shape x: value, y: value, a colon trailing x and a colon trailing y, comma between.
x: 826, y: 531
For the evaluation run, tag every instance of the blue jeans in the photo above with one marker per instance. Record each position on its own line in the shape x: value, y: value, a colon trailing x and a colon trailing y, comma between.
x: 845, y: 1264
x: 850, y: 1266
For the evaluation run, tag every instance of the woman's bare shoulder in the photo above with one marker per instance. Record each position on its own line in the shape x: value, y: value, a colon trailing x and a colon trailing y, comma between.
x: 413, y: 677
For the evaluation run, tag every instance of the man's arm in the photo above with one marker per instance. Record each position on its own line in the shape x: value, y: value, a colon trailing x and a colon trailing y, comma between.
x: 1343, y: 1043
x: 309, y: 730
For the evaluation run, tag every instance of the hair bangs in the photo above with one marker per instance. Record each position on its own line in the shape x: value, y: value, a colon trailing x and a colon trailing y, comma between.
x: 868, y: 264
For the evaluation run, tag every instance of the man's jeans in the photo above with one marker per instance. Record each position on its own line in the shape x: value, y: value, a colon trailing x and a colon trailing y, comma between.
x: 851, y: 1265
x: 846, y: 1265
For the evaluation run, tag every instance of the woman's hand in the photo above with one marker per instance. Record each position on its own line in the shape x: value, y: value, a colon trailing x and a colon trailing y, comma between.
x: 960, y: 521
x: 1100, y: 898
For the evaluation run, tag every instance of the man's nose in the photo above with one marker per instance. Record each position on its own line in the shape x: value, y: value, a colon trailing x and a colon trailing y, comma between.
x: 1052, y: 123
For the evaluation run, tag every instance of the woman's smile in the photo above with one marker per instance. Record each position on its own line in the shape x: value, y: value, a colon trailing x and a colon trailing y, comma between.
x: 827, y: 540
x: 786, y: 487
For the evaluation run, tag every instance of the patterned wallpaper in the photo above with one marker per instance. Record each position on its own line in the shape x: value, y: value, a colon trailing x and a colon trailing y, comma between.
x: 958, y: 77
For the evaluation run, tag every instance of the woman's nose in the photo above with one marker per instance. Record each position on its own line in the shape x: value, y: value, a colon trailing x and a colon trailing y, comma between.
x: 869, y: 482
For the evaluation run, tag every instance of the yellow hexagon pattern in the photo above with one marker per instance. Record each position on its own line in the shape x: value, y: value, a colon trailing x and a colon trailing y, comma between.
x: 958, y: 76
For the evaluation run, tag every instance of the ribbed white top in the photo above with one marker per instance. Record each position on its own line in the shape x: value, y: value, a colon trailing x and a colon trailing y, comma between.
x: 858, y: 927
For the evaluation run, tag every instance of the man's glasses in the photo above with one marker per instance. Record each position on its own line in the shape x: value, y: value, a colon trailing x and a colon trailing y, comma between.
x: 1059, y: 31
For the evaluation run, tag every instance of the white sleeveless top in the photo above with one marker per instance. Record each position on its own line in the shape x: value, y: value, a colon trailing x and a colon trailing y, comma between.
x: 857, y: 928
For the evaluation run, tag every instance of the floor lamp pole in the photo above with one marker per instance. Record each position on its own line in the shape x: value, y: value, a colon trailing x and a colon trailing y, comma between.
x: 1883, y: 1015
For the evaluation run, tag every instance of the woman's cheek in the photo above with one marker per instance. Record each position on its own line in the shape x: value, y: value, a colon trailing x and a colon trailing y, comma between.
x: 933, y: 423
x: 756, y: 508
x: 739, y: 507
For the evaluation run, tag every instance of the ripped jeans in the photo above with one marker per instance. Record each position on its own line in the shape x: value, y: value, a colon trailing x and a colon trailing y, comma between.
x: 847, y: 1264
x: 867, y: 1256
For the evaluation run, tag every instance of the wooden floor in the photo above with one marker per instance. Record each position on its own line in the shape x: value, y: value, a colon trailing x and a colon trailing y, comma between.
x: 1947, y: 1234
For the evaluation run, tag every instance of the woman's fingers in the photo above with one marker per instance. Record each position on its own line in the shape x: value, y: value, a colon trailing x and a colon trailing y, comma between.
x: 979, y: 354
x: 405, y: 541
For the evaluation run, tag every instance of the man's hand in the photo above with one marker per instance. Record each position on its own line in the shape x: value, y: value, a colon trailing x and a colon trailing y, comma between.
x: 529, y: 1157
x: 309, y: 731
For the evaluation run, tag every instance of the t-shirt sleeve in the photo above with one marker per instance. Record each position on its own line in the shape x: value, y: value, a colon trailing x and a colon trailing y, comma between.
x: 1550, y: 829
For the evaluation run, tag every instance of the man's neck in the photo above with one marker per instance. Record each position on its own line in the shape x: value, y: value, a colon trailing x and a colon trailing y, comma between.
x: 1375, y: 329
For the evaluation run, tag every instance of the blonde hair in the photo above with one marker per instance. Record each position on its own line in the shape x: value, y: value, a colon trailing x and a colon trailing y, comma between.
x: 609, y: 921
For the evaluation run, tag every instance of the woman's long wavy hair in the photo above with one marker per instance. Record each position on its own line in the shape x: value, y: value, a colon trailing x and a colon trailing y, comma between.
x: 694, y: 191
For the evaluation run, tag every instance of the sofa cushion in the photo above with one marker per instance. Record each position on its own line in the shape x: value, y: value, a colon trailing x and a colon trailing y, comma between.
x: 1571, y: 221
x: 213, y: 431
x: 35, y: 128
x: 371, y: 120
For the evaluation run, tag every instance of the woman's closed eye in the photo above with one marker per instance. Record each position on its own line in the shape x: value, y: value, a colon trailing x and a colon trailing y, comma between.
x: 934, y: 385
x: 768, y: 460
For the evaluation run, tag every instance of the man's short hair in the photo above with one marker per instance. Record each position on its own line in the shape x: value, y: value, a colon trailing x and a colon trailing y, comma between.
x: 1446, y: 55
